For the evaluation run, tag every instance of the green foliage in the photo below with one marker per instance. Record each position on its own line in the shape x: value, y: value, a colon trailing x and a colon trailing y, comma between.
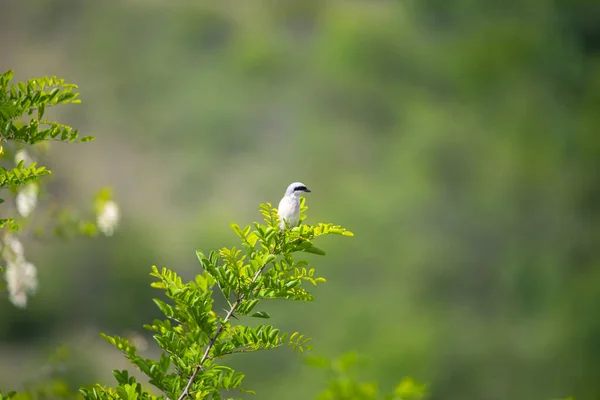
x: 128, y: 389
x: 32, y: 99
x: 68, y: 224
x: 22, y: 109
x: 462, y: 139
x: 408, y: 389
x: 8, y: 223
x: 23, y: 106
x: 50, y: 383
x: 103, y: 196
x: 343, y: 385
x: 194, y: 338
x: 20, y: 175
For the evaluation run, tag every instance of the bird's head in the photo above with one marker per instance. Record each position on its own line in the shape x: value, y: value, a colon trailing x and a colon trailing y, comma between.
x: 296, y: 189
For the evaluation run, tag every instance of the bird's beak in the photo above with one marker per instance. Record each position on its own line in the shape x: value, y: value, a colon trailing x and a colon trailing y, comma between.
x: 307, y: 190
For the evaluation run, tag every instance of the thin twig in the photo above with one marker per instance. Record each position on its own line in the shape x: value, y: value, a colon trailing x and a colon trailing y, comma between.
x: 211, y: 343
x: 186, y: 391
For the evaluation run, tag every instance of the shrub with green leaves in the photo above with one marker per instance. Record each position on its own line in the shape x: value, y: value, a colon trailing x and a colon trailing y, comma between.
x: 195, y: 336
x: 25, y: 132
x: 343, y: 385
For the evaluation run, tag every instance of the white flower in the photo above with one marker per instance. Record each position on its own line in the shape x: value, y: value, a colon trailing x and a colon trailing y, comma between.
x: 15, y: 247
x: 21, y: 278
x: 27, y: 199
x: 108, y: 218
x: 22, y: 155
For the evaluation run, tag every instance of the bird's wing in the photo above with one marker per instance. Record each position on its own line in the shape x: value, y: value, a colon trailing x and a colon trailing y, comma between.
x: 280, y: 203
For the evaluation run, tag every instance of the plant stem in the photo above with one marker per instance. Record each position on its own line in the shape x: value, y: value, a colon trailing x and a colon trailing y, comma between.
x: 211, y: 343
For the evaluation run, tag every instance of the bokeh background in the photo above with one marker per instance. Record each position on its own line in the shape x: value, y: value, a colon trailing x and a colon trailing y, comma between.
x: 459, y: 140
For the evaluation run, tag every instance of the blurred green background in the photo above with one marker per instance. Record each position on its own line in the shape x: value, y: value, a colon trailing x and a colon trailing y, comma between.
x: 459, y: 140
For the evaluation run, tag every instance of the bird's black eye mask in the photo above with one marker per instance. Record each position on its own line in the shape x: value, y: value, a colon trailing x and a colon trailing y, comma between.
x: 301, y: 189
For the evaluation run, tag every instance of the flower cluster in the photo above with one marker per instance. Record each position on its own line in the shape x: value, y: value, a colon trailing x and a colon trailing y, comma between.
x: 108, y: 217
x: 21, y: 275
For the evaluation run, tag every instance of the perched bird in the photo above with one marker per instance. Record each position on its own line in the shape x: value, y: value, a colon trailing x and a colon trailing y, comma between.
x: 289, y: 206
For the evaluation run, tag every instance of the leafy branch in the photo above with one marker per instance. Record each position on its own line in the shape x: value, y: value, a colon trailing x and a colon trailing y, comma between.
x: 21, y: 175
x: 216, y: 336
x: 30, y: 99
x: 193, y: 336
x: 23, y: 123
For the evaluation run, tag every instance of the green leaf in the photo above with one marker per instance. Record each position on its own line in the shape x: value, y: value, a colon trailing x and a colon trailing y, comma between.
x: 237, y: 230
x: 261, y: 314
x: 409, y: 389
x: 314, y: 250
x: 165, y: 308
x: 292, y: 283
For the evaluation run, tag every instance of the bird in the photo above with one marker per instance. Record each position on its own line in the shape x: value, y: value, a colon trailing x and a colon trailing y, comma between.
x: 289, y: 206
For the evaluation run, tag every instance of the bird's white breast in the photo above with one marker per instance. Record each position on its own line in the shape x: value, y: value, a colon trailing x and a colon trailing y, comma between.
x: 289, y: 210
